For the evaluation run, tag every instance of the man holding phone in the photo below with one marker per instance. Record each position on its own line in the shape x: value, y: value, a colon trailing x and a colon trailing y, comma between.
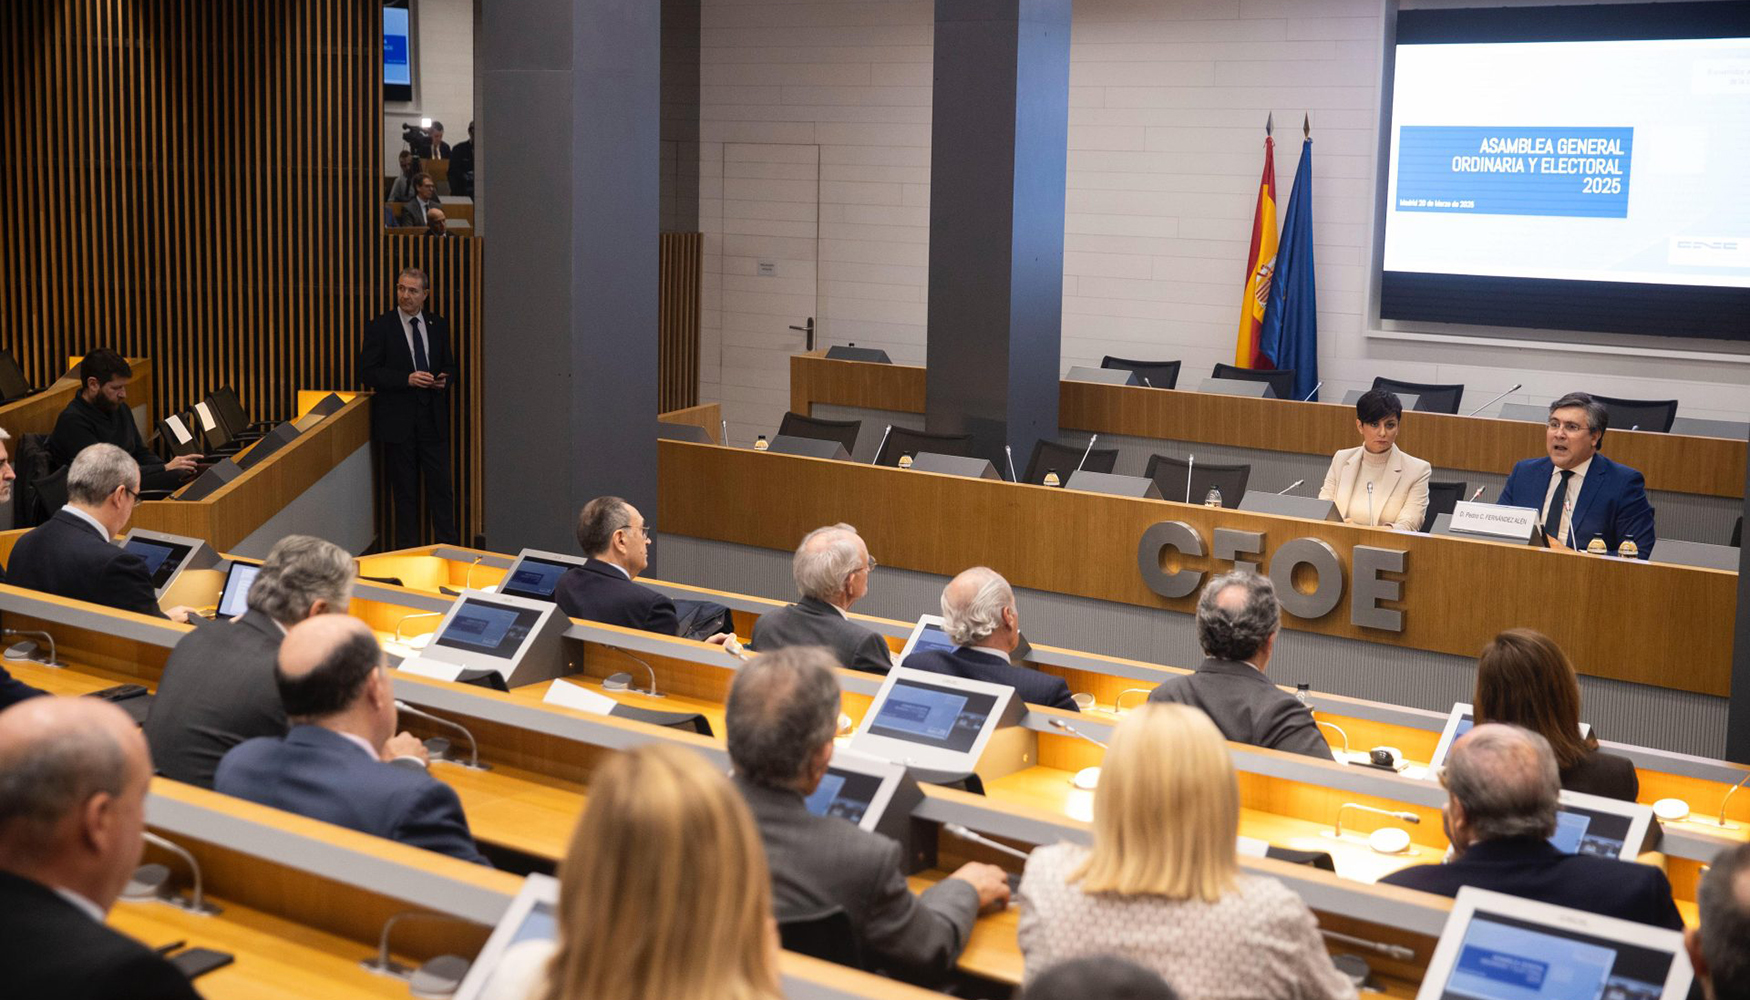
x: 406, y: 359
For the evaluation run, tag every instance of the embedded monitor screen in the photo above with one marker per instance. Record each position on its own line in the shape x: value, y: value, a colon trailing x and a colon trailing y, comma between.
x: 1504, y: 958
x: 478, y: 626
x: 162, y: 558
x: 534, y: 578
x: 932, y: 637
x: 1589, y: 831
x: 918, y: 712
x: 541, y: 924
x: 845, y: 794
x: 234, y: 601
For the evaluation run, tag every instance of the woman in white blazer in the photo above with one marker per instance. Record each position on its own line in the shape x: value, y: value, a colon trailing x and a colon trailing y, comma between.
x: 1375, y: 483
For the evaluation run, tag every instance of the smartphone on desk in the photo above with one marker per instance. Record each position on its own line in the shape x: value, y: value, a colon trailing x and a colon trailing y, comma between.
x: 197, y: 962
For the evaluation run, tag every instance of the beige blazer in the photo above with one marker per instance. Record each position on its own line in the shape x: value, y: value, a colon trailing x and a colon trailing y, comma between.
x: 1399, y: 501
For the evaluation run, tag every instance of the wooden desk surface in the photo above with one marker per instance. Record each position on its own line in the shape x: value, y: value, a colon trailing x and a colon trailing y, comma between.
x: 37, y: 414
x: 1678, y: 463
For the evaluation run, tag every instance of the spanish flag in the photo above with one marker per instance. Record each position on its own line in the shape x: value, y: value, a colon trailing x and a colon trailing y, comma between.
x: 1260, y: 263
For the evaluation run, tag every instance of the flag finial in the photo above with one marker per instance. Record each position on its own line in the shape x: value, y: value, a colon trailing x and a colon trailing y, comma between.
x: 1306, y: 127
x: 1270, y: 124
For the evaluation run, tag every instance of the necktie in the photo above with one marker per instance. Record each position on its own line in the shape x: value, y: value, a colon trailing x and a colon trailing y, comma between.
x: 1552, y: 520
x: 421, y: 364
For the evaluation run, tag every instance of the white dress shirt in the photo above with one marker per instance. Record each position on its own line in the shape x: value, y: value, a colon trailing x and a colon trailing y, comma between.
x: 365, y: 745
x: 88, y: 519
x: 407, y: 331
x: 1572, y: 500
x: 80, y: 903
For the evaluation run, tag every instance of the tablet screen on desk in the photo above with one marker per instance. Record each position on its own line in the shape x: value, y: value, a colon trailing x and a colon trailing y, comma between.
x: 234, y: 601
x: 533, y: 578
x: 845, y: 794
x: 1501, y: 958
x: 916, y: 712
x: 162, y: 558
x: 485, y: 627
x: 1583, y: 831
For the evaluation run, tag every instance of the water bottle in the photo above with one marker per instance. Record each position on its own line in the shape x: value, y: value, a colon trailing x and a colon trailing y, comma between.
x: 1303, y: 694
x: 1051, y: 478
x: 905, y: 460
x: 1212, y: 498
x: 1597, y: 547
x: 1628, y: 549
x: 762, y: 444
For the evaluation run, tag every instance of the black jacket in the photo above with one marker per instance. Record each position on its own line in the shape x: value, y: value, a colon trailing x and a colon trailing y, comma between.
x: 50, y: 949
x: 1533, y: 868
x: 385, y: 361
x: 813, y: 622
x: 599, y: 592
x: 82, y: 424
x: 1246, y: 707
x: 1034, y: 686
x: 67, y: 557
x: 218, y: 690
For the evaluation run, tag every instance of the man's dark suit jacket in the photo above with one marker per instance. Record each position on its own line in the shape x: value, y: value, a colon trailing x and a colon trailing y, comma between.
x: 413, y: 214
x: 1246, y: 707
x: 49, y: 948
x: 385, y: 361
x: 1613, y: 501
x: 67, y: 557
x: 321, y: 774
x: 218, y: 690
x: 599, y: 592
x: 1034, y: 687
x: 819, y: 862
x: 13, y: 690
x: 82, y: 425
x: 813, y: 622
x: 1533, y: 868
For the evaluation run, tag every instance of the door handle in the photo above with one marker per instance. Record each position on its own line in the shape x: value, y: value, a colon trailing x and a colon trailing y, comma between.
x: 808, y: 331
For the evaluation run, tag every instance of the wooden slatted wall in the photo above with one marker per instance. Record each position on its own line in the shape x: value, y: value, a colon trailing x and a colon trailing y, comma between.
x: 199, y: 182
x: 682, y: 268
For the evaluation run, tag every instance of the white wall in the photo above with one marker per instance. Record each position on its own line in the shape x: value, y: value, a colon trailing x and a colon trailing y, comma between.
x: 1167, y: 105
x: 443, y: 87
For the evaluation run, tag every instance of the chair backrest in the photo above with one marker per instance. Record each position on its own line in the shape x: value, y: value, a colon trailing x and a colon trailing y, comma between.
x: 220, y: 436
x: 13, y: 384
x: 1430, y: 398
x: 227, y: 407
x: 828, y: 936
x: 1442, y: 497
x: 1160, y: 374
x: 31, y: 460
x: 1280, y: 380
x: 1169, y: 474
x: 1640, y: 414
x: 1048, y: 455
x: 905, y: 441
x: 843, y: 431
x: 51, y: 495
x: 178, y: 446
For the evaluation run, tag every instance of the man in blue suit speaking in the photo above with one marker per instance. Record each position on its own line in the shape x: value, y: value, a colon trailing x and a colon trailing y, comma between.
x: 1578, y: 493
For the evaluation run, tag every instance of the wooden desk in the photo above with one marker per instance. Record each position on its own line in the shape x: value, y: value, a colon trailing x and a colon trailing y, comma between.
x: 1681, y: 464
x: 706, y: 415
x: 37, y: 414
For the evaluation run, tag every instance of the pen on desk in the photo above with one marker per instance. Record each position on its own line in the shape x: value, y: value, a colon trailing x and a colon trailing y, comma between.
x: 163, y: 950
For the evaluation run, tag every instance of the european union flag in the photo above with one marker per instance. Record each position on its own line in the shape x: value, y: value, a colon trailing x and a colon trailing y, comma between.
x: 1289, y: 336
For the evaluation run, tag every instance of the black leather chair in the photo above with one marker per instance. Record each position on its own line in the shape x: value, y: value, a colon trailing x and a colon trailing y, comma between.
x: 1280, y: 380
x: 828, y: 936
x: 1169, y: 475
x: 905, y: 441
x: 1048, y: 455
x: 1442, y: 497
x: 31, y: 461
x: 178, y: 447
x: 1430, y: 398
x: 1640, y: 414
x: 843, y: 431
x: 1160, y: 374
x: 229, y: 410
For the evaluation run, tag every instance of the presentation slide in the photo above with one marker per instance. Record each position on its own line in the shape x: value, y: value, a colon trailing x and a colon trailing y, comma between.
x: 1570, y: 830
x: 397, y: 53
x: 1612, y: 161
x: 535, y: 579
x: 920, y: 711
x: 1498, y: 962
x: 154, y: 554
x: 932, y: 637
x: 491, y: 628
x: 235, y: 600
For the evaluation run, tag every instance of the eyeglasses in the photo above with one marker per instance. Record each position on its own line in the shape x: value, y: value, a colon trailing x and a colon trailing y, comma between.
x: 1569, y: 426
x: 133, y: 494
x: 649, y: 532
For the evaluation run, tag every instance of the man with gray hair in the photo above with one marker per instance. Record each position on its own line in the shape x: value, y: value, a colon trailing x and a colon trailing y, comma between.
x: 1719, y: 948
x: 218, y: 687
x: 73, y: 778
x: 1238, y: 619
x: 1579, y: 494
x: 782, y: 714
x: 1503, y: 789
x: 72, y: 555
x: 978, y: 612
x: 832, y: 568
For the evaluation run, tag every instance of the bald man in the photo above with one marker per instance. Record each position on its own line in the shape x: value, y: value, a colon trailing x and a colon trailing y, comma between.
x: 342, y: 762
x: 831, y: 568
x: 978, y: 613
x: 73, y: 777
x: 1503, y: 788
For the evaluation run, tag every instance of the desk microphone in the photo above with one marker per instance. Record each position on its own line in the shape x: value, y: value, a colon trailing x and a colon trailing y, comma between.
x: 1721, y: 822
x: 1370, y: 518
x: 25, y: 650
x: 877, y: 459
x: 724, y: 438
x: 1073, y: 731
x: 1568, y: 513
x: 625, y: 679
x: 440, y: 976
x: 964, y: 834
x: 1085, y: 454
x: 1478, y: 493
x: 440, y: 747
x: 468, y: 579
x: 1145, y: 380
x: 1190, y: 463
x: 1290, y: 486
x: 1396, y: 951
x: 1497, y: 399
x: 153, y: 881
x: 1313, y: 393
x: 1010, y: 454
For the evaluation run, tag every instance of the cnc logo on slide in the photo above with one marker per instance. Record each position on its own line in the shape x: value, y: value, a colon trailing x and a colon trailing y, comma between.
x: 1568, y: 172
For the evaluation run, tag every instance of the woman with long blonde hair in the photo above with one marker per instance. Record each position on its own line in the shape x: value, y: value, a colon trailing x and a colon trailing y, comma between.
x: 1161, y: 885
x: 663, y: 893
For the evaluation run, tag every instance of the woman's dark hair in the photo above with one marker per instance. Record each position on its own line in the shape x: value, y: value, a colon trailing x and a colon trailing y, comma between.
x: 1377, y: 404
x: 1525, y: 679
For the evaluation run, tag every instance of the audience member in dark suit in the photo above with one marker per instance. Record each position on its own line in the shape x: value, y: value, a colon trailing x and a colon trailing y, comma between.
x: 342, y: 762
x: 979, y: 614
x: 406, y: 359
x: 1719, y: 947
x: 218, y: 687
x: 617, y: 540
x: 72, y: 555
x: 12, y: 690
x: 435, y: 223
x: 99, y: 414
x: 1579, y: 494
x: 462, y: 166
x: 1524, y: 679
x: 832, y: 569
x: 424, y: 200
x: 782, y: 714
x: 1238, y: 619
x: 402, y: 189
x: 72, y: 807
x: 432, y: 145
x: 1502, y: 791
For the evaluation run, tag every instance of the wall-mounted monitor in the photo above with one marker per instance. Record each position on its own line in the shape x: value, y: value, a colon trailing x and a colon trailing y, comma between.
x: 397, y: 51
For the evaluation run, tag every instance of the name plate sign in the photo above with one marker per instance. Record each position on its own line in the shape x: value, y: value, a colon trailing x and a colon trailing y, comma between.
x: 1517, y: 524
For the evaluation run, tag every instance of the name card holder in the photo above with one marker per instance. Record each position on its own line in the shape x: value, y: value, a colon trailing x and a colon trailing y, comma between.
x: 1488, y: 520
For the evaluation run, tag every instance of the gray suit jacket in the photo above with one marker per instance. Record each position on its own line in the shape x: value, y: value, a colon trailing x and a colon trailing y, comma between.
x: 1246, y: 707
x: 819, y: 862
x: 218, y: 690
x: 811, y: 622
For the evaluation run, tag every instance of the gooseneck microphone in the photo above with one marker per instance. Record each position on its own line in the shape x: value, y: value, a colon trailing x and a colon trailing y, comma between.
x: 1478, y: 493
x: 1497, y: 399
x: 473, y: 747
x: 1085, y: 454
x: 724, y: 438
x: 1314, y: 392
x: 1190, y: 463
x: 964, y: 834
x: 153, y: 881
x: 626, y: 678
x: 877, y: 459
x: 1009, y: 453
x: 1284, y: 491
x: 1370, y: 518
x: 1078, y: 734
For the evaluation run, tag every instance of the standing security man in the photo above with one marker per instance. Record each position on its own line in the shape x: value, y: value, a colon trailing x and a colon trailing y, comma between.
x: 407, y: 359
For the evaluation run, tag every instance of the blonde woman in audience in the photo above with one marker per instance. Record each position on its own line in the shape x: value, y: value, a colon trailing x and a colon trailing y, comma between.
x: 663, y: 894
x: 1161, y: 885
